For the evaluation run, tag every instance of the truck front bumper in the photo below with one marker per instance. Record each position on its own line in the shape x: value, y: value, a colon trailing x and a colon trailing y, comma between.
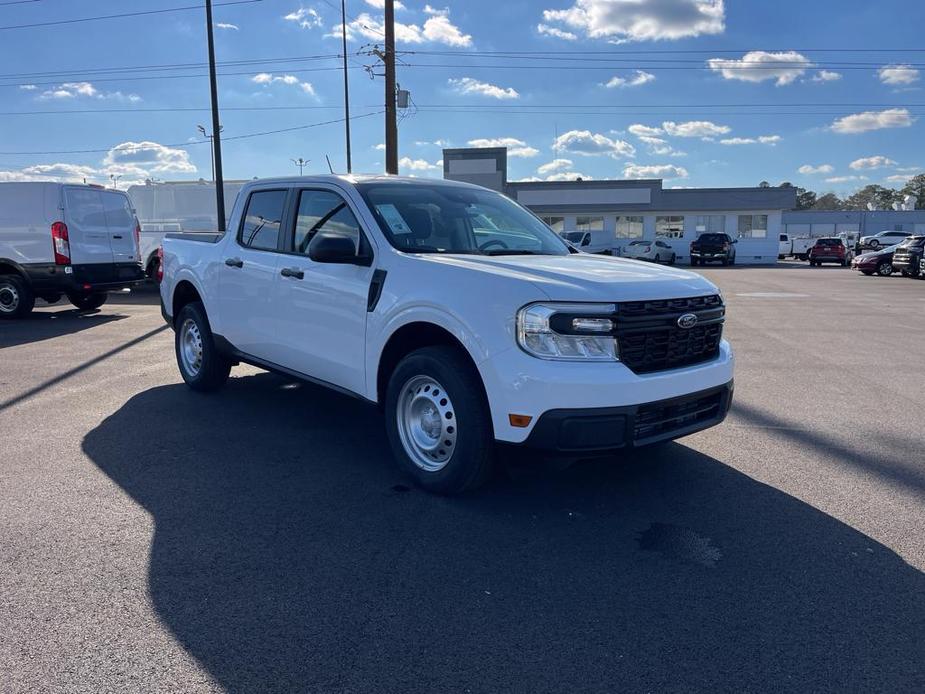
x: 588, y: 398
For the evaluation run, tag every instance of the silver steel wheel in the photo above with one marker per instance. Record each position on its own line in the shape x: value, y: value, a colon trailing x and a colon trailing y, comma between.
x: 9, y: 298
x: 191, y: 347
x: 885, y: 269
x: 427, y: 423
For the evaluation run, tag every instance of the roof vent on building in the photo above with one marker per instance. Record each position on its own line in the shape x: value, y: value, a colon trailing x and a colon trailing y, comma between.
x: 579, y: 178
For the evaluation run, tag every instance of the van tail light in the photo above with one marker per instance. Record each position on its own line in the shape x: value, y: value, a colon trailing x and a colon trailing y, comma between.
x: 137, y: 235
x: 62, y: 245
x: 159, y: 275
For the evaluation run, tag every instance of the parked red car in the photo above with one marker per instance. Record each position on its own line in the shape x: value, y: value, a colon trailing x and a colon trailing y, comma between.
x: 828, y: 250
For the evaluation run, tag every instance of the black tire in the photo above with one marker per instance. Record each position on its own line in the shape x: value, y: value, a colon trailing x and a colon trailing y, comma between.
x: 885, y: 269
x: 867, y: 272
x: 657, y: 258
x: 674, y: 259
x: 51, y: 298
x: 724, y: 262
x: 16, y: 297
x: 88, y: 302
x: 151, y: 270
x: 471, y: 459
x: 214, y: 368
x: 873, y: 243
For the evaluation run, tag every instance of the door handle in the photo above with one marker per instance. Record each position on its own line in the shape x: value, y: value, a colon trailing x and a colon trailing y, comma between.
x: 234, y: 262
x: 293, y: 272
x: 117, y: 236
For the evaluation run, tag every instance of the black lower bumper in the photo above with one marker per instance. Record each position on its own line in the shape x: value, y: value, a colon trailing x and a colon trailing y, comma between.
x: 49, y: 278
x: 598, y: 430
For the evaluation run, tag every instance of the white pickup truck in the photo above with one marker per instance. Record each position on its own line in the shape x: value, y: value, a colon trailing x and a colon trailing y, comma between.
x: 466, y: 332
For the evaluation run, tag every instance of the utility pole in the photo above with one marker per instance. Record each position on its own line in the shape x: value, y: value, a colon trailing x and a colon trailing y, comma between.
x: 391, y: 124
x: 206, y: 134
x: 343, y: 19
x: 301, y: 163
x: 216, y: 128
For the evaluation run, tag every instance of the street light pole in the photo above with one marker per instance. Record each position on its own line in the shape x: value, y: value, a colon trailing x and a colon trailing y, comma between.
x: 301, y: 163
x: 216, y: 128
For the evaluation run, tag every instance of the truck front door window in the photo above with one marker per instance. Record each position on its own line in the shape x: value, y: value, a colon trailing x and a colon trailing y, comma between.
x: 323, y: 211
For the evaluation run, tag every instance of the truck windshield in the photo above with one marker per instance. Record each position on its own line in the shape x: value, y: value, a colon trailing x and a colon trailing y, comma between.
x: 441, y: 218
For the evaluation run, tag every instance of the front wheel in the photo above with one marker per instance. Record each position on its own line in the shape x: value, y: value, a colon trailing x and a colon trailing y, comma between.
x: 16, y: 298
x: 88, y: 302
x: 885, y: 269
x: 201, y: 365
x: 657, y: 258
x: 438, y: 422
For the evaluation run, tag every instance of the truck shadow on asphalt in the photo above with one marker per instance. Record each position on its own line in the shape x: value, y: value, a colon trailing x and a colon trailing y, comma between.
x: 47, y: 325
x: 288, y: 555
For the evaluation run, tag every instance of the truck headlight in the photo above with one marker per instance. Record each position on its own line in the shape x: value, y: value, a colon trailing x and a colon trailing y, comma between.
x: 568, y: 332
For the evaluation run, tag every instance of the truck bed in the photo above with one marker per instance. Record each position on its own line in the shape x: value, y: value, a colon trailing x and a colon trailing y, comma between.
x: 200, y: 236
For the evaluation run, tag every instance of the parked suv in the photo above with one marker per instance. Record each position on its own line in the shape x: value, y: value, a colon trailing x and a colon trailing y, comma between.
x: 908, y: 255
x: 709, y: 247
x: 464, y: 331
x: 884, y: 238
x: 56, y: 239
x: 829, y: 250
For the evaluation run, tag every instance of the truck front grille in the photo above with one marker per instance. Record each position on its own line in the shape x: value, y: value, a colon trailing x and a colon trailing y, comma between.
x: 660, y: 419
x: 650, y: 338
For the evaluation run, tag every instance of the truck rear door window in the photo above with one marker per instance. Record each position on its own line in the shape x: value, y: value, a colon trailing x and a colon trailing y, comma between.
x: 262, y: 220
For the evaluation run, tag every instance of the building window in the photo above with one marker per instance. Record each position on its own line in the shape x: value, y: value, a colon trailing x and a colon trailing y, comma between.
x: 669, y: 227
x: 711, y: 224
x: 753, y: 226
x: 557, y: 224
x: 629, y: 227
x: 589, y: 223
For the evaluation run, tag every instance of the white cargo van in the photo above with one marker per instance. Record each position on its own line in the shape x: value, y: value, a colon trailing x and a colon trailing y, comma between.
x: 58, y: 239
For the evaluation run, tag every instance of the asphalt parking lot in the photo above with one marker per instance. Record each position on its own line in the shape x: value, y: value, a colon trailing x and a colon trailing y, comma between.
x: 155, y: 539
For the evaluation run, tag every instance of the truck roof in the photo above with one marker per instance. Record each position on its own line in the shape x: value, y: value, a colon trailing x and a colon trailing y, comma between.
x: 353, y: 179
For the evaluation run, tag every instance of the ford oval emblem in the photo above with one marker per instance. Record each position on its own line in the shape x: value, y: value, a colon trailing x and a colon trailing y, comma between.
x: 687, y: 321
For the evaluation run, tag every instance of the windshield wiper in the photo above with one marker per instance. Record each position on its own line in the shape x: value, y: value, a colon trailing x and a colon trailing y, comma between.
x: 513, y: 251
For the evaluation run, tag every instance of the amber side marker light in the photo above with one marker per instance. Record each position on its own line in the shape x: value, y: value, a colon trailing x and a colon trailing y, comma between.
x: 520, y: 420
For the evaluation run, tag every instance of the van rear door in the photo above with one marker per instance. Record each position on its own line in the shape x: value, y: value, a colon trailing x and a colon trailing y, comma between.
x: 87, y: 229
x: 120, y: 219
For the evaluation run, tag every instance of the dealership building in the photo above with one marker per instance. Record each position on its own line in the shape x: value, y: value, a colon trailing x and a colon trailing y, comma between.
x: 637, y: 209
x: 816, y: 223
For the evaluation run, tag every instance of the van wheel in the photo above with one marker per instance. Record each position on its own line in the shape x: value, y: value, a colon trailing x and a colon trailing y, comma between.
x: 88, y: 302
x: 437, y: 421
x: 16, y: 297
x: 201, y: 364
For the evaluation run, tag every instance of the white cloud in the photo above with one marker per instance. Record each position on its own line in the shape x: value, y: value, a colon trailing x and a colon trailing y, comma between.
x: 226, y: 25
x: 642, y: 20
x: 809, y: 169
x: 586, y: 143
x: 76, y: 90
x: 758, y: 66
x: 416, y: 164
x: 437, y: 29
x: 845, y: 179
x: 28, y: 87
x: 660, y: 147
x: 695, y: 128
x: 898, y: 74
x: 569, y: 176
x: 305, y: 17
x: 70, y: 172
x: 379, y: 147
x: 760, y: 140
x: 555, y: 32
x: 639, y: 78
x: 876, y: 162
x: 150, y: 155
x: 427, y: 9
x: 268, y: 78
x: 640, y: 130
x: 515, y: 147
x: 470, y: 85
x: 899, y: 178
x: 826, y: 76
x: 668, y: 171
x: 554, y: 166
x: 873, y: 120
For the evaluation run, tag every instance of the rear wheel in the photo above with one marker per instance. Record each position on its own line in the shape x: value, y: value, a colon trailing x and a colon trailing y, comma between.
x: 16, y: 297
x: 88, y: 302
x: 438, y: 422
x: 201, y: 365
x: 658, y: 258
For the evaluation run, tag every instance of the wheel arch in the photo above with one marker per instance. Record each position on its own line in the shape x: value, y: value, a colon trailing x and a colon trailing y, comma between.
x: 11, y: 267
x: 412, y: 336
x: 185, y: 292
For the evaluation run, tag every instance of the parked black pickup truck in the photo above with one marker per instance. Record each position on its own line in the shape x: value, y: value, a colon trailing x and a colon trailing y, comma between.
x: 709, y: 247
x: 908, y: 256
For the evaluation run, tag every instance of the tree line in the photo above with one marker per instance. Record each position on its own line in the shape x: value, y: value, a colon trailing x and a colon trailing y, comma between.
x: 881, y: 196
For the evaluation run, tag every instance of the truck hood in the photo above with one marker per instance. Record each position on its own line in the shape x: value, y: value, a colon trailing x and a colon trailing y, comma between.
x: 585, y: 277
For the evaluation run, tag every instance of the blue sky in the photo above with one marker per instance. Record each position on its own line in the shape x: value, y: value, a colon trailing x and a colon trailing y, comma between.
x: 699, y: 92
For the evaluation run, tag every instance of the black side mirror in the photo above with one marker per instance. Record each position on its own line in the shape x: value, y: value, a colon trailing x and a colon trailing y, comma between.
x: 331, y: 248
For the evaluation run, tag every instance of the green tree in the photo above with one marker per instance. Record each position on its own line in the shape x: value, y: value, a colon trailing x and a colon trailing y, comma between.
x: 828, y: 201
x: 916, y: 187
x: 881, y: 197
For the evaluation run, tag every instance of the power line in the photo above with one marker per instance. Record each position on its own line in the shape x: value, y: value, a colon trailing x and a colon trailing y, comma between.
x: 764, y: 66
x: 122, y: 15
x: 184, y: 145
x: 674, y: 51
